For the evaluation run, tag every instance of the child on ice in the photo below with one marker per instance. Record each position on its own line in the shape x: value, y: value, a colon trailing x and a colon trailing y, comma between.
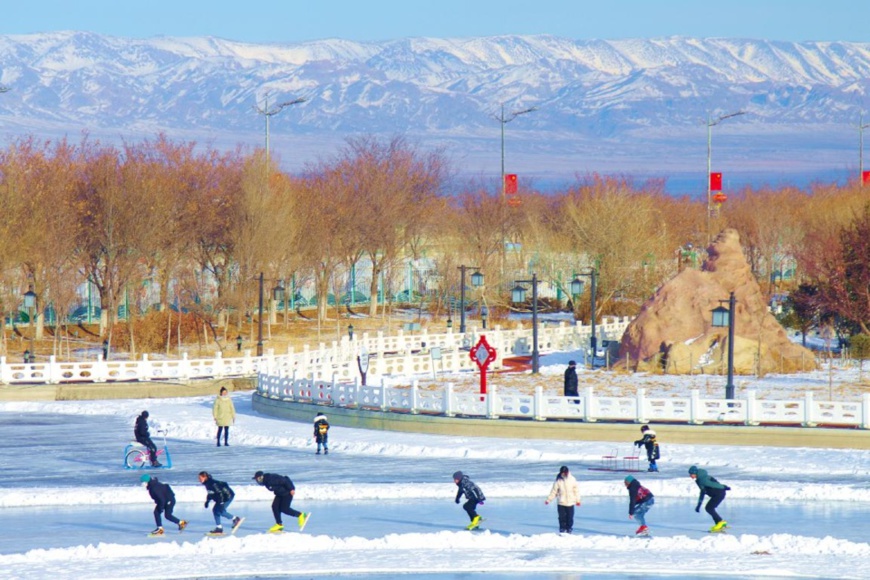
x: 321, y: 433
x: 640, y: 499
x: 648, y: 440
x: 566, y: 489
x: 473, y: 496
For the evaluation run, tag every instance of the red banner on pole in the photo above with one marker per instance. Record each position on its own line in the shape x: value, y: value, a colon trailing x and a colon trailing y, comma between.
x: 715, y: 182
x: 510, y: 183
x: 865, y: 177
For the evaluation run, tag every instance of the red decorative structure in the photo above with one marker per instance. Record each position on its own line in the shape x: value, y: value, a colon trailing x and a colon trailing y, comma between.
x: 715, y: 182
x: 720, y: 198
x: 865, y: 178
x: 482, y: 354
x: 510, y: 183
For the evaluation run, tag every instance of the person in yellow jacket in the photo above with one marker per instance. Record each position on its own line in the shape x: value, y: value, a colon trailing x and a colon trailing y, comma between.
x: 568, y: 492
x: 224, y: 415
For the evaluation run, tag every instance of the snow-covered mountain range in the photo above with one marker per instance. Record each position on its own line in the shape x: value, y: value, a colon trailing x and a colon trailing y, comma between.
x: 635, y: 107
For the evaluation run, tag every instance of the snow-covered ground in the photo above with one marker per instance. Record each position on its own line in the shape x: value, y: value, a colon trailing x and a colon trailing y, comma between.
x: 383, y: 503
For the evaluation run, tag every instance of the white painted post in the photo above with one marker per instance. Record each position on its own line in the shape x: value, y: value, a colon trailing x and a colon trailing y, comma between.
x: 589, y: 406
x: 53, y: 370
x: 539, y: 404
x: 640, y: 411
x: 491, y: 410
x: 383, y: 394
x: 448, y: 400
x: 865, y: 407
x: 414, y: 385
x: 809, y: 409
x: 184, y: 368
x: 5, y: 374
x: 695, y: 407
x: 751, y: 408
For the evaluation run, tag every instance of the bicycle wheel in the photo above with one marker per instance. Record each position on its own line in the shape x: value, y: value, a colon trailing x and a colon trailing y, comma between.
x: 136, y: 459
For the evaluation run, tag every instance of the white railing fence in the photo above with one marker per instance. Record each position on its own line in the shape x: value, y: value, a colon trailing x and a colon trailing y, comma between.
x: 806, y: 412
x: 403, y: 354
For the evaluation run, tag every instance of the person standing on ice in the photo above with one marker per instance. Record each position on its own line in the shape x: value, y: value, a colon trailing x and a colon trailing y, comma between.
x: 143, y: 436
x: 571, y: 382
x: 321, y: 433
x: 566, y: 489
x: 284, y: 490
x: 709, y: 486
x: 640, y: 499
x: 164, y: 500
x: 473, y: 496
x: 648, y: 441
x: 224, y: 414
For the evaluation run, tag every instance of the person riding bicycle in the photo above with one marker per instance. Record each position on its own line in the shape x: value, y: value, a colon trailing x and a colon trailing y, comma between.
x: 143, y: 436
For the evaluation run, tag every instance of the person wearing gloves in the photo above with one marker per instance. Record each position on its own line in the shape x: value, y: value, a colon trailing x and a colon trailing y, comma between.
x: 648, y: 441
x: 640, y: 499
x: 473, y: 496
x: 714, y: 490
x: 143, y: 436
x: 164, y: 500
x: 566, y: 489
x: 222, y: 495
x: 224, y: 414
x: 284, y: 490
x: 321, y: 433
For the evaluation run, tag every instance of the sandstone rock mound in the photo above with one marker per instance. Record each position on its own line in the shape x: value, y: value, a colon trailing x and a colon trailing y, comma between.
x: 674, y: 330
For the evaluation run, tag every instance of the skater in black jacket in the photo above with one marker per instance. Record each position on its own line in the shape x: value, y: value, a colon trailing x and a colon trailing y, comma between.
x: 473, y: 497
x: 648, y: 441
x: 222, y: 495
x: 321, y: 433
x: 143, y: 436
x: 164, y: 500
x: 284, y: 490
x: 640, y: 499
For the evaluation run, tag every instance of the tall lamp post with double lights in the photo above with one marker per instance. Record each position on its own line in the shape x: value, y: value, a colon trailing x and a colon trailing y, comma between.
x: 269, y: 112
x: 724, y: 318
x: 710, y: 124
x: 861, y: 127
x: 518, y: 295
x: 278, y: 296
x: 577, y: 289
x: 476, y: 282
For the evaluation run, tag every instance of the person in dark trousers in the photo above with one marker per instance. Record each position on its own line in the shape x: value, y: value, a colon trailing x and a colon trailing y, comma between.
x: 284, y: 490
x: 473, y: 496
x: 143, y: 436
x: 565, y: 488
x: 648, y: 441
x: 164, y: 500
x: 640, y: 499
x: 321, y: 433
x: 222, y: 495
x: 571, y: 380
x: 224, y: 413
x: 710, y: 487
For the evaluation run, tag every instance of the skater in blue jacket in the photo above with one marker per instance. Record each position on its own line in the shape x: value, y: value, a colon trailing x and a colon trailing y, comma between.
x: 473, y: 496
x: 640, y: 499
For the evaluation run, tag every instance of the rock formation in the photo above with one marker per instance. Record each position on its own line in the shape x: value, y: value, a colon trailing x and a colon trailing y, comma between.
x: 674, y: 330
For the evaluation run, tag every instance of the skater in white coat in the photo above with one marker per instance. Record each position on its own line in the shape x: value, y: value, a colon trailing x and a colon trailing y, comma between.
x: 566, y: 489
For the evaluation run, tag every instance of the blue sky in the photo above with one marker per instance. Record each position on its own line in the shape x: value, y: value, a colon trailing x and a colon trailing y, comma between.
x: 297, y: 20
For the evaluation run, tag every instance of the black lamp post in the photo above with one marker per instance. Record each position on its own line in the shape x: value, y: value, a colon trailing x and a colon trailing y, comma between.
x: 260, y: 321
x: 278, y: 295
x: 577, y: 289
x: 30, y: 305
x: 724, y: 317
x: 518, y: 295
x: 484, y: 314
x: 476, y: 282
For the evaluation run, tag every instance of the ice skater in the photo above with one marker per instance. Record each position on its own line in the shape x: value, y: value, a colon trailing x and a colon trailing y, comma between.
x: 566, y: 489
x: 321, y: 433
x: 284, y: 490
x: 640, y: 499
x: 473, y: 497
x: 648, y: 440
x: 222, y: 495
x: 164, y: 500
x: 715, y: 491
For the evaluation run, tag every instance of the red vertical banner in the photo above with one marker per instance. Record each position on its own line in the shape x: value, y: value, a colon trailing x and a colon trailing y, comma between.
x: 510, y: 183
x: 715, y: 182
x: 865, y: 178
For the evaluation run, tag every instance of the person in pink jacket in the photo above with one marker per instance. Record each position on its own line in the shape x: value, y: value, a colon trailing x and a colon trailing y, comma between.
x: 566, y: 489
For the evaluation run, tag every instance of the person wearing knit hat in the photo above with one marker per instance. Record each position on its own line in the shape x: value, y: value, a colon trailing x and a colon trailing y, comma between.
x: 648, y: 441
x: 640, y: 500
x: 473, y: 497
x: 164, y: 503
x: 566, y: 489
x: 710, y: 487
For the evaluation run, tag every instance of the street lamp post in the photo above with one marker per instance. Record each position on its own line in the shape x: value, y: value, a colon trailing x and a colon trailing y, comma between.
x: 30, y: 305
x: 577, y: 289
x: 503, y: 119
x: 271, y: 112
x: 518, y: 295
x: 277, y: 296
x: 476, y: 282
x: 710, y: 124
x: 724, y: 317
x: 484, y: 315
x: 861, y: 127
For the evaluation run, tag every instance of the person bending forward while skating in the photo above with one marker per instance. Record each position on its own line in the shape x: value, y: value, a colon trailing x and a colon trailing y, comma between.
x: 473, y: 496
x: 710, y: 487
